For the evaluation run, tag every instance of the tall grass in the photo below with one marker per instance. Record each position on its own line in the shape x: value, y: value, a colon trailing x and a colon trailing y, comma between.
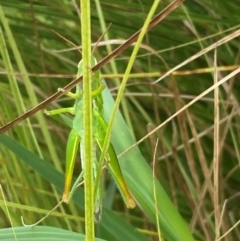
x: 196, y: 149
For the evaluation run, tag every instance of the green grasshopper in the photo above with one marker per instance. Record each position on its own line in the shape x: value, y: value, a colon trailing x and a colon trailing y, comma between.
x: 99, y: 130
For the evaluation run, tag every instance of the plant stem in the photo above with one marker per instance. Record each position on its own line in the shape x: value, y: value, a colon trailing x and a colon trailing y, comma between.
x: 87, y: 112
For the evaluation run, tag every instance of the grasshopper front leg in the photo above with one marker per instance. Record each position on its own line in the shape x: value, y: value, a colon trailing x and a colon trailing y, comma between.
x: 70, y: 110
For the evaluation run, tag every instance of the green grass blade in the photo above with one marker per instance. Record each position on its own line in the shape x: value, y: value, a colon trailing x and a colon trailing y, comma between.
x: 40, y: 233
x: 138, y: 176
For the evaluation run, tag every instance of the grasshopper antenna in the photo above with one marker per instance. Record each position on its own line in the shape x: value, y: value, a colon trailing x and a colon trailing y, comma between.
x: 68, y: 41
x: 32, y: 225
x: 100, y: 38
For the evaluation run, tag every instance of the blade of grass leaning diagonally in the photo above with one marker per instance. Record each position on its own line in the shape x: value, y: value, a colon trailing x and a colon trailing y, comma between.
x: 138, y: 176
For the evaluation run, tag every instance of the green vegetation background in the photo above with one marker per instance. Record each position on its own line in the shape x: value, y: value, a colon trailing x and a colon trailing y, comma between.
x: 184, y: 155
